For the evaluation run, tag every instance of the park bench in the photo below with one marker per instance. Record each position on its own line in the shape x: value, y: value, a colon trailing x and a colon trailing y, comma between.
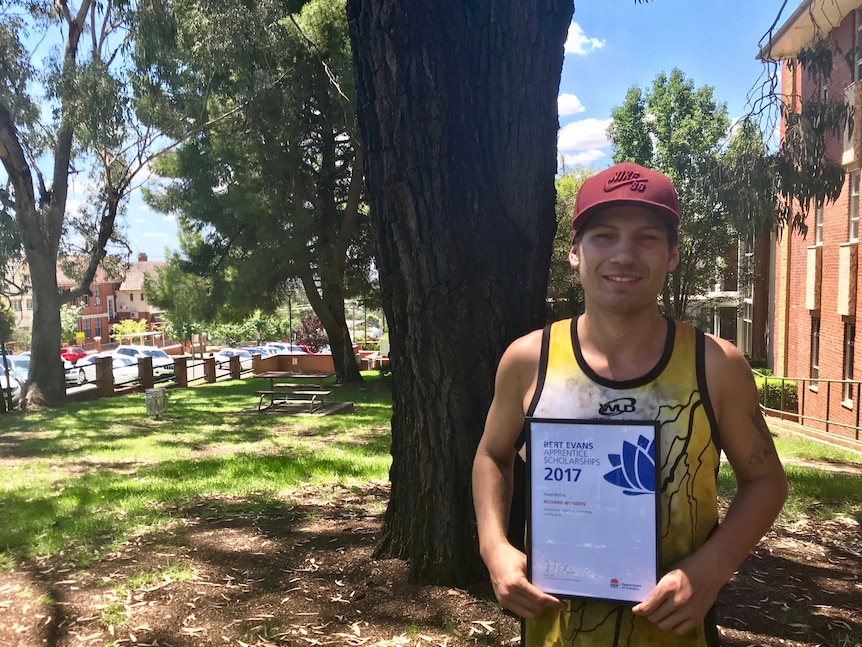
x: 284, y: 393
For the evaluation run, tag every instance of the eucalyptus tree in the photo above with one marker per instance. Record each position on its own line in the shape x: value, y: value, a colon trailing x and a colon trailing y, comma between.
x: 685, y: 128
x: 457, y: 106
x: 66, y: 114
x: 273, y: 192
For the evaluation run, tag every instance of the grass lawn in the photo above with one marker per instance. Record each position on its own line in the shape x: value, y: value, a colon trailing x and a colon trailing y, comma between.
x: 80, y: 480
x: 260, y: 529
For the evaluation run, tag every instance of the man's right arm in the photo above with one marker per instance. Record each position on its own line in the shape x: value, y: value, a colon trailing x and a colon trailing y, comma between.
x: 492, y: 479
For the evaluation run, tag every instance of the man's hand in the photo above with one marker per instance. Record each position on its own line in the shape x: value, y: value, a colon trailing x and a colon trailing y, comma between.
x: 682, y: 597
x: 508, y: 568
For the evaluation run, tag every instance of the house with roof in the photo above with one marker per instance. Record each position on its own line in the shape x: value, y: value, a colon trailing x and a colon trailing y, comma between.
x: 816, y: 277
x: 111, y: 300
x: 131, y: 300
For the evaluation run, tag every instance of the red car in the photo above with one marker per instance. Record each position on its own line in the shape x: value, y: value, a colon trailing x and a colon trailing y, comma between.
x: 72, y: 353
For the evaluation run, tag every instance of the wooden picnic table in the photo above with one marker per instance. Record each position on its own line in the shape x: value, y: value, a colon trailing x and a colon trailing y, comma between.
x: 314, y: 393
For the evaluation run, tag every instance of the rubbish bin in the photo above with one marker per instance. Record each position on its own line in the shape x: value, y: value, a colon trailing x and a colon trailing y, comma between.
x: 157, y: 401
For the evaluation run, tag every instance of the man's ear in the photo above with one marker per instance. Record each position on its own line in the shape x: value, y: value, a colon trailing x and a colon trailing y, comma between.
x: 673, y: 261
x: 575, y: 262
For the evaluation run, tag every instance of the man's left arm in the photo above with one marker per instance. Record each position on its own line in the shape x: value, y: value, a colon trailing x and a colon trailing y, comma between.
x: 683, y: 596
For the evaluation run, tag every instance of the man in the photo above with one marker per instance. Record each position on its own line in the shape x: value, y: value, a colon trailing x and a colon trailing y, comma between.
x: 697, y: 387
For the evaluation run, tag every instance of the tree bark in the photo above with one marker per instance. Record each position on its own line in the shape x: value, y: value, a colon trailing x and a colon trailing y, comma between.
x: 457, y: 108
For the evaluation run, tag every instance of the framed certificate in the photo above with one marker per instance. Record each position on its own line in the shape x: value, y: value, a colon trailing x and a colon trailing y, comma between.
x: 592, y: 508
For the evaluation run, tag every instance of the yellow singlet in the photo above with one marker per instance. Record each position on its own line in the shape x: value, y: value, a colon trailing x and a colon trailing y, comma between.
x: 674, y: 394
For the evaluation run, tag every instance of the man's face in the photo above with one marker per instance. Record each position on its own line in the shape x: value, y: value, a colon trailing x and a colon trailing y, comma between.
x: 623, y: 258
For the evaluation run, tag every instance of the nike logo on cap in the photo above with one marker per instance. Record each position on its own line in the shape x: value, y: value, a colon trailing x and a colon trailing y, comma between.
x: 630, y: 179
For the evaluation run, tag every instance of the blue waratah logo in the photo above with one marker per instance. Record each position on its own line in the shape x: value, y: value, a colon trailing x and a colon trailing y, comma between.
x: 634, y: 467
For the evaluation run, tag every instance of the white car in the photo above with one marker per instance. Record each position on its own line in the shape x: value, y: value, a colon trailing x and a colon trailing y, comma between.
x: 223, y: 356
x: 163, y: 364
x: 16, y: 389
x: 288, y: 349
x: 74, y: 375
x: 125, y: 369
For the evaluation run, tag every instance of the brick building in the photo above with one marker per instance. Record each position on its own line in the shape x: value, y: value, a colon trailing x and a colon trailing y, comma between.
x: 112, y: 301
x: 815, y: 310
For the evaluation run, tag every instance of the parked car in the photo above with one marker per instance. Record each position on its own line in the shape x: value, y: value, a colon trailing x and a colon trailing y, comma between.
x: 163, y: 364
x: 125, y: 368
x: 289, y: 349
x: 74, y: 375
x: 19, y: 367
x: 223, y: 356
x: 72, y: 353
x: 14, y: 385
x: 263, y: 351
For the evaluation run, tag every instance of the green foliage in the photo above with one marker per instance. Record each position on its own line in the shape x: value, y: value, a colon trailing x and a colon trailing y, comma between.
x: 69, y: 322
x: 273, y: 186
x: 776, y: 393
x: 7, y: 322
x: 184, y: 296
x: 310, y: 333
x: 256, y: 327
x: 685, y: 127
x: 128, y: 327
x: 565, y: 297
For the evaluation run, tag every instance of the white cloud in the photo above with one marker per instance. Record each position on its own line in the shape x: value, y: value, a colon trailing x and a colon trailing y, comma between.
x: 569, y: 104
x: 169, y: 217
x: 584, y: 158
x: 154, y: 234
x: 73, y: 206
x: 584, y: 135
x: 578, y: 43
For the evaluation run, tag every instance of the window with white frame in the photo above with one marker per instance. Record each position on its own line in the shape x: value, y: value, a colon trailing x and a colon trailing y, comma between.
x: 16, y: 305
x: 849, y: 345
x: 87, y: 328
x: 815, y: 347
x: 98, y: 331
x: 853, y: 234
x: 97, y: 295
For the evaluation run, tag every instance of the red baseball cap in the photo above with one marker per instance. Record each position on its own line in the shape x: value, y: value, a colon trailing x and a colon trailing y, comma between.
x: 626, y: 184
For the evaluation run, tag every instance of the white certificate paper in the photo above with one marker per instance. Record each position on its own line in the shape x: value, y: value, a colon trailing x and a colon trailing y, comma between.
x: 592, y: 508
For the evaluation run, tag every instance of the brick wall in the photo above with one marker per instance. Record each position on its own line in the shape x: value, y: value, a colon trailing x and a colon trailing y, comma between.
x: 792, y: 325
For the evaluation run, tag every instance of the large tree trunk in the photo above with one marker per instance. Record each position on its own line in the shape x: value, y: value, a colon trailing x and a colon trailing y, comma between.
x: 329, y: 308
x: 457, y: 107
x: 47, y: 385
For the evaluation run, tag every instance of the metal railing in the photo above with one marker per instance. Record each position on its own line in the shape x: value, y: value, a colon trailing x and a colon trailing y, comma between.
x: 806, y: 385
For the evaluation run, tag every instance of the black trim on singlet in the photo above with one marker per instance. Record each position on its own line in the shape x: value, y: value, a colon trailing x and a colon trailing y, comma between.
x: 700, y: 369
x: 540, y: 383
x: 626, y: 384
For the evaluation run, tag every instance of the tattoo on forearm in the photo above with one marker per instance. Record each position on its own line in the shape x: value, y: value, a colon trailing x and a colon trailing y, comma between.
x: 762, y: 447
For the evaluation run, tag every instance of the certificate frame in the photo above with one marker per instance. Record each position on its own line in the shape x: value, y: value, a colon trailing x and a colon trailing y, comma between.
x: 593, y: 508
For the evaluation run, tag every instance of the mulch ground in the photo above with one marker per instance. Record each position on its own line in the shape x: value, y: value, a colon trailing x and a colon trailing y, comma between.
x: 306, y: 575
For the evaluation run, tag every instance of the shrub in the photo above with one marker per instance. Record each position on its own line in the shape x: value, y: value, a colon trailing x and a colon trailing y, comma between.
x: 777, y: 391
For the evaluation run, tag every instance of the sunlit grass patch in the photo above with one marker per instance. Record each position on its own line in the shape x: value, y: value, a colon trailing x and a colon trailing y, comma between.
x: 87, y: 477
x: 812, y: 492
x: 174, y: 572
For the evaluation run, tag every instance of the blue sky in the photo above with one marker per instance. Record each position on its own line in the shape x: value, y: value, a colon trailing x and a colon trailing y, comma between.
x: 612, y: 45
